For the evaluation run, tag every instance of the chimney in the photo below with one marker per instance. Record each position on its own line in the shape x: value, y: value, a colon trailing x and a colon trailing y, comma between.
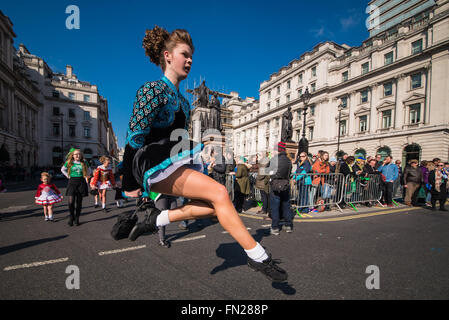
x: 69, y: 71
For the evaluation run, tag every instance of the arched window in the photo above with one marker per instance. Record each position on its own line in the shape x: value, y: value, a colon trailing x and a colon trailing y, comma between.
x: 384, y: 151
x: 411, y: 152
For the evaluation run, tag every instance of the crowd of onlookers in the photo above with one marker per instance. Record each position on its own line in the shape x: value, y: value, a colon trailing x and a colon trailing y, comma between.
x: 414, y: 184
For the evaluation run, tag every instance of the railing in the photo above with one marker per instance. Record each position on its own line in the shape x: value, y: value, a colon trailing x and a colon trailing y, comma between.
x: 363, y: 189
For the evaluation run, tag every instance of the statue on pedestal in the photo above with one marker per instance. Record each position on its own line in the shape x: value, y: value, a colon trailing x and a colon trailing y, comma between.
x: 287, y: 128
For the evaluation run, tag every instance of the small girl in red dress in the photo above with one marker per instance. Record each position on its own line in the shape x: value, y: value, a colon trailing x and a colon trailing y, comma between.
x: 47, y: 195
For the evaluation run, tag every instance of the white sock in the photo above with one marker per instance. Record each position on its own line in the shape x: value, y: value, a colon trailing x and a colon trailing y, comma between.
x: 103, y: 205
x: 257, y: 253
x: 162, y: 219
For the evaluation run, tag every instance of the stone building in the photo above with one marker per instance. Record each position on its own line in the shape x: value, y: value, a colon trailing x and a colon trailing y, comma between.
x: 20, y: 104
x: 387, y: 96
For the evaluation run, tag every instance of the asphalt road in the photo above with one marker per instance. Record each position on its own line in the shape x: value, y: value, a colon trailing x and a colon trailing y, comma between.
x: 325, y: 260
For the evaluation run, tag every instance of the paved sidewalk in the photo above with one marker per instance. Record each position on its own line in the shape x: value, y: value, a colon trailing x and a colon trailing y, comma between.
x: 335, y: 212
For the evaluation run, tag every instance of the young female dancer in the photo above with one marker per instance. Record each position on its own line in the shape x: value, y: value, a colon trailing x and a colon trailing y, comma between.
x: 47, y: 195
x: 77, y: 170
x: 103, y: 180
x: 152, y: 160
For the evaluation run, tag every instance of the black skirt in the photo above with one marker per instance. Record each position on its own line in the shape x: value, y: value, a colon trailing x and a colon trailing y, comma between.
x: 77, y: 186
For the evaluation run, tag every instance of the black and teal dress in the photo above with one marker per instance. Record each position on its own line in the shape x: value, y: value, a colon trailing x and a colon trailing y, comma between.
x: 157, y: 141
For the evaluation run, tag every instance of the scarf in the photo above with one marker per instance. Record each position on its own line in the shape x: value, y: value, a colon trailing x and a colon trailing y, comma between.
x: 439, y: 177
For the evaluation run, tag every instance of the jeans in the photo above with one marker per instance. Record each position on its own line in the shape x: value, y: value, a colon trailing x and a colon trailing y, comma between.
x: 265, y: 202
x: 280, y: 201
x: 388, y: 193
x: 303, y: 197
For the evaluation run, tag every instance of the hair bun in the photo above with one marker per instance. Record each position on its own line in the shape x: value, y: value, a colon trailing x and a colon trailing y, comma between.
x: 154, y: 43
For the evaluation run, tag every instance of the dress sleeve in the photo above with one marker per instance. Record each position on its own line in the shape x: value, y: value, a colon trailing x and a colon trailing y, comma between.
x: 56, y: 189
x: 95, y: 178
x: 38, y: 192
x: 65, y: 171
x: 147, y: 103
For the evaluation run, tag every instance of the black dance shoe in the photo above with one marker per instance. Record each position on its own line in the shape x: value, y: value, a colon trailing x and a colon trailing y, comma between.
x: 164, y: 244
x: 269, y: 268
x: 148, y: 225
x: 70, y: 223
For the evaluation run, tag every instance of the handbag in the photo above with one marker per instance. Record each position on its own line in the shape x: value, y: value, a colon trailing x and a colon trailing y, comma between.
x: 326, y: 191
x: 127, y: 220
x: 280, y: 185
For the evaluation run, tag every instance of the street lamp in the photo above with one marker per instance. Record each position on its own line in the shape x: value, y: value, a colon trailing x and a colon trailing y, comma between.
x: 340, y: 107
x: 303, y: 144
x: 62, y: 136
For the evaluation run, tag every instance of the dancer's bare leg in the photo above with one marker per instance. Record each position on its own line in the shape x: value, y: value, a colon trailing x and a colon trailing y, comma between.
x: 192, y: 184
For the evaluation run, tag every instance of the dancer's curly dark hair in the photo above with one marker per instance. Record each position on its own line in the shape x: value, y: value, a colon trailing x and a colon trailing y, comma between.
x: 158, y: 40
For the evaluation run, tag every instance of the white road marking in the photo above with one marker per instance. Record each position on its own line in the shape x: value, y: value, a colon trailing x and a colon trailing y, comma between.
x: 224, y: 232
x: 103, y: 253
x: 35, y: 264
x: 14, y: 209
x: 188, y: 239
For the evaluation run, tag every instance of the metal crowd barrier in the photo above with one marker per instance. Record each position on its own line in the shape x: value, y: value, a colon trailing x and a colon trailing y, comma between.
x: 363, y: 189
x: 308, y: 191
x: 317, y: 190
x: 397, y: 189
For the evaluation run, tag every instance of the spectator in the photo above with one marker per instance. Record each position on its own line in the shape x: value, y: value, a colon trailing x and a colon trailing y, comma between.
x: 412, y: 183
x: 230, y: 162
x: 379, y: 161
x: 391, y: 173
x: 439, y: 181
x: 303, y: 182
x: 321, y: 166
x: 436, y: 161
x: 218, y: 167
x: 333, y: 165
x: 242, y: 187
x: 262, y: 183
x: 429, y: 168
x: 280, y: 191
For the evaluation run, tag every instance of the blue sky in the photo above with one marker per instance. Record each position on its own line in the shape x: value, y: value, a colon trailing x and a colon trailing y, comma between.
x: 238, y: 44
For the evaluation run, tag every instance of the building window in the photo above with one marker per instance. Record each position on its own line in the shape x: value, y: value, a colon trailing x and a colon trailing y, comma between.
x: 278, y: 90
x: 55, y: 94
x: 386, y: 119
x: 299, y: 93
x: 288, y: 84
x: 342, y: 127
x: 312, y: 110
x: 365, y: 68
x: 86, y: 98
x: 313, y: 87
x: 268, y: 105
x: 298, y: 115
x: 56, y: 129
x: 415, y: 113
x: 345, y: 76
x: 87, y: 115
x: 363, y: 124
x: 388, y: 89
x: 314, y: 72
x: 364, y: 96
x: 344, y: 102
x: 416, y: 81
x: 310, y: 133
x: 288, y: 98
x: 269, y: 94
x: 71, y: 95
x: 86, y: 132
x: 277, y: 103
x: 389, y: 58
x: 71, y: 113
x: 56, y: 111
x: 300, y: 78
x: 71, y: 130
x: 417, y: 46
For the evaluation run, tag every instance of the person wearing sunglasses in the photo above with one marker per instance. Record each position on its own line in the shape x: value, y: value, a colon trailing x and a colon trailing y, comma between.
x: 439, y: 181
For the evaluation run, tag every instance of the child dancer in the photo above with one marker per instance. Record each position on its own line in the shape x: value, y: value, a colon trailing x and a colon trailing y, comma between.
x: 47, y: 195
x: 103, y: 180
x: 77, y: 170
x: 94, y: 192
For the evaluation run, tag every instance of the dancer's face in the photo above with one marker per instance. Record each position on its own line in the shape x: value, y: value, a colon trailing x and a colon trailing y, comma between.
x: 45, y: 180
x: 179, y: 61
x: 77, y: 156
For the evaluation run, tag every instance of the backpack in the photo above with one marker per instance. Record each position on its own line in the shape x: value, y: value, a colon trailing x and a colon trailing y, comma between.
x: 125, y: 223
